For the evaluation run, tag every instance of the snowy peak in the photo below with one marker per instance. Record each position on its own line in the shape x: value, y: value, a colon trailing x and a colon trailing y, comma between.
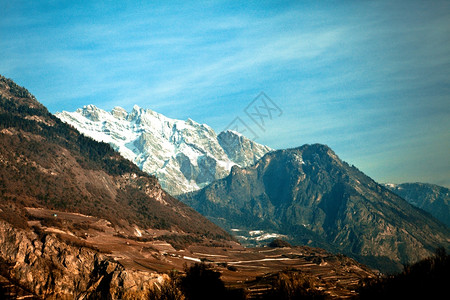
x: 184, y: 155
x: 119, y: 113
x: 90, y: 112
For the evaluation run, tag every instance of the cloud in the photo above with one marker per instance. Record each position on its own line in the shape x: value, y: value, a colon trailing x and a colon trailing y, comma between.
x: 369, y: 79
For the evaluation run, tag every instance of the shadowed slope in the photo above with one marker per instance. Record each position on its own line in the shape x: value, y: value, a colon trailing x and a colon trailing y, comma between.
x: 312, y: 196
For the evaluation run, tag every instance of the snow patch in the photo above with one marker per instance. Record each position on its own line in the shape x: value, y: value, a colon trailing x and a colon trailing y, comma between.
x: 192, y: 258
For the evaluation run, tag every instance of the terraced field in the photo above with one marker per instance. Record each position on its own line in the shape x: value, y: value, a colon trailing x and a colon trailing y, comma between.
x: 249, y: 268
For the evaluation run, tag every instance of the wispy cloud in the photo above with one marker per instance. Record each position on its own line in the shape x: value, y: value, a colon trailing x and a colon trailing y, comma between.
x: 368, y: 78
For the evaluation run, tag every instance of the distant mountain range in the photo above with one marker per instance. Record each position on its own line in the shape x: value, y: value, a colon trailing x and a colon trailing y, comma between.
x: 314, y: 198
x: 184, y: 155
x: 431, y: 198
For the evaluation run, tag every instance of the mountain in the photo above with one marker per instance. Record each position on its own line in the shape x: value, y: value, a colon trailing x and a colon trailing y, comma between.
x: 183, y: 155
x: 47, y: 162
x: 61, y: 191
x: 312, y: 197
x: 432, y: 198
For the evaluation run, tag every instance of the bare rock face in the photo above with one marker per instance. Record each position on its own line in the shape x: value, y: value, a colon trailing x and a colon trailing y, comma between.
x: 52, y: 269
x: 241, y: 150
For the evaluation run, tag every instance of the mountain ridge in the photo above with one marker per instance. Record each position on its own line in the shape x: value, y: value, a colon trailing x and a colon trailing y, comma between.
x: 432, y: 198
x: 184, y: 155
x: 309, y: 194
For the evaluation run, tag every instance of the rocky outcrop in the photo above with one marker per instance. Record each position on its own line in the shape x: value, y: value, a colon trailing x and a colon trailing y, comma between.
x: 52, y: 269
x: 241, y: 150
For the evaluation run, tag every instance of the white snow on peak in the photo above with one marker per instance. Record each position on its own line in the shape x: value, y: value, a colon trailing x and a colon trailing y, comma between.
x: 184, y: 155
x: 391, y: 185
x: 119, y: 113
x: 233, y: 132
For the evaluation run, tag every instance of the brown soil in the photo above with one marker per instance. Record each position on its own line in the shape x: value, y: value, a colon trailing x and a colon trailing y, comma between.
x: 139, y: 249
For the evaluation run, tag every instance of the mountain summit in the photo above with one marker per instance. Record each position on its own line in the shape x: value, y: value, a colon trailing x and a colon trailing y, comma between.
x: 184, y: 155
x: 309, y: 195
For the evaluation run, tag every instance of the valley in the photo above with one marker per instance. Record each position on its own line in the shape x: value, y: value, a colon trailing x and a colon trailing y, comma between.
x: 143, y: 251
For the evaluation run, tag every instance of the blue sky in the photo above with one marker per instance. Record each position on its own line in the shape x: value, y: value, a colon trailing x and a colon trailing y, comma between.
x: 368, y: 78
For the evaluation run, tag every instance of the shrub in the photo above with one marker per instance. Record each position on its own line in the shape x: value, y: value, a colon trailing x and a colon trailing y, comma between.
x: 290, y: 285
x: 426, y: 279
x: 232, y: 268
x: 202, y: 282
x: 279, y: 243
x: 169, y: 290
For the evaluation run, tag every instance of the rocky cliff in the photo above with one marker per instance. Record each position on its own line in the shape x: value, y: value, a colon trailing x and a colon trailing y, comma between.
x: 48, y: 267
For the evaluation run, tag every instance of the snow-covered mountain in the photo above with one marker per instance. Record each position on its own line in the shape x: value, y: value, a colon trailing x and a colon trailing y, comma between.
x: 184, y: 155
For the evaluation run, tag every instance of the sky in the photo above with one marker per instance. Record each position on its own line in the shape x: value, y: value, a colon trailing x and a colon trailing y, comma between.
x: 370, y: 79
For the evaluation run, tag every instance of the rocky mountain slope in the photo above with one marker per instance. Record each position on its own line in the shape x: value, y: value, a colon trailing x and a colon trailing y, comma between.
x: 47, y: 164
x: 312, y: 197
x: 50, y: 268
x: 429, y: 197
x: 183, y: 155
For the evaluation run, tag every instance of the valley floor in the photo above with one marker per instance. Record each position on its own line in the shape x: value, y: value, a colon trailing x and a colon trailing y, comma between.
x: 247, y: 268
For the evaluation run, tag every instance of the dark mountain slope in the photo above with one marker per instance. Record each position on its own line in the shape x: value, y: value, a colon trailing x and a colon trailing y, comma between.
x: 312, y: 196
x: 46, y: 163
x: 431, y: 198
